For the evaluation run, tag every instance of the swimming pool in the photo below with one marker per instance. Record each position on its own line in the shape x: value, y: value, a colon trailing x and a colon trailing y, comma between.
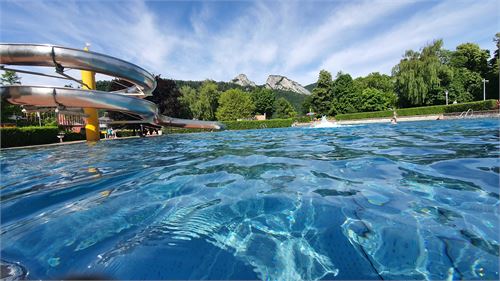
x: 412, y: 201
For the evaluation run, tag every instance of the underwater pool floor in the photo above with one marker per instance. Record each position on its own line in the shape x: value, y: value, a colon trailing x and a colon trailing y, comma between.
x: 419, y: 200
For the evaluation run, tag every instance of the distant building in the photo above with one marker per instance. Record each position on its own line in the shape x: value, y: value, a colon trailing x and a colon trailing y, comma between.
x: 260, y: 117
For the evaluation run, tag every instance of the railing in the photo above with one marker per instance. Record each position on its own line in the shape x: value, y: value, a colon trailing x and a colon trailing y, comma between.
x: 465, y: 113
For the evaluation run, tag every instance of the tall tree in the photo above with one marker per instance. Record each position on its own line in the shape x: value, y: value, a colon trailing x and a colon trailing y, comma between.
x: 306, y: 106
x: 345, y: 97
x: 492, y: 86
x: 322, y: 94
x: 471, y: 57
x: 209, y: 96
x: 7, y: 110
x: 166, y: 96
x: 235, y: 104
x: 465, y: 86
x: 284, y: 109
x: 264, y: 99
x: 375, y: 80
x: 372, y: 99
x: 421, y: 77
x: 190, y: 102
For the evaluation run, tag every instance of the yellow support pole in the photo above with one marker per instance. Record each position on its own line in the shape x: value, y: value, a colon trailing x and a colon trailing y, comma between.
x: 92, y: 130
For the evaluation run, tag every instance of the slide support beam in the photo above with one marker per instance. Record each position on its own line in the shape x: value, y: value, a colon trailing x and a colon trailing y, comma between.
x: 92, y: 130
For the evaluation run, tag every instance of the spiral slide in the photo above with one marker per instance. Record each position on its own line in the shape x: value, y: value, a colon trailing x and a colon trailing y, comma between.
x: 128, y: 100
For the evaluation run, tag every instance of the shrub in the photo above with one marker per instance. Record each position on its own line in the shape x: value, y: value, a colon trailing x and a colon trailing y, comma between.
x: 302, y: 119
x: 125, y: 133
x: 174, y: 130
x: 72, y: 136
x: 476, y: 106
x: 21, y: 136
x: 425, y: 110
x: 363, y: 115
x: 248, y: 125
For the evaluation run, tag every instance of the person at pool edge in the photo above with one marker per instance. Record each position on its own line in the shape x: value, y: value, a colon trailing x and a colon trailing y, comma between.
x: 394, y: 120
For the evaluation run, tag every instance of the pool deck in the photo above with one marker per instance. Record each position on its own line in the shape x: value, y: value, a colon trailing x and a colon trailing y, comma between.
x: 479, y: 114
x: 484, y: 114
x: 388, y: 120
x: 70, y: 142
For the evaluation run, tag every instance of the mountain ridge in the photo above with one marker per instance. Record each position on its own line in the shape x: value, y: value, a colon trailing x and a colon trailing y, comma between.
x: 274, y: 82
x: 280, y: 82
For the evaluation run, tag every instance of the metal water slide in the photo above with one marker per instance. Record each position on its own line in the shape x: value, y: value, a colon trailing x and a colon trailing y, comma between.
x: 128, y: 100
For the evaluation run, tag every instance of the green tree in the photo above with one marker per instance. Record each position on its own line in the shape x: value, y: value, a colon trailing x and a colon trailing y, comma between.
x: 378, y: 81
x: 9, y: 78
x: 190, y: 102
x: 322, y: 94
x: 264, y: 101
x: 375, y: 100
x: 101, y: 85
x: 209, y: 100
x: 284, y: 109
x: 235, y: 104
x: 493, y: 73
x: 470, y: 56
x: 166, y: 96
x: 346, y: 98
x: 307, y: 105
x: 465, y: 85
x: 421, y: 77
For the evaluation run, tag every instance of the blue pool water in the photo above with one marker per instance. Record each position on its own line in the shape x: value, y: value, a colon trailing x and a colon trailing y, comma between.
x: 419, y: 200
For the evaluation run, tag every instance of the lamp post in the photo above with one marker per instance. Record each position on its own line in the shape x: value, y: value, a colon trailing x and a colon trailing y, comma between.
x: 484, y: 88
x: 446, y: 93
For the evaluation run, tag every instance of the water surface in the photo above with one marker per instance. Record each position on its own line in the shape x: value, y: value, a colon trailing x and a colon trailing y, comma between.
x: 419, y: 200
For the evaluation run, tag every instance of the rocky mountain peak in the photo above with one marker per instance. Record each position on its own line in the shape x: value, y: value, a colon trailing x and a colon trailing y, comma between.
x: 243, y: 80
x: 279, y: 82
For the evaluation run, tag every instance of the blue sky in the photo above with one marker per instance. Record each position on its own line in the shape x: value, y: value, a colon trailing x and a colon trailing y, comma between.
x: 218, y: 40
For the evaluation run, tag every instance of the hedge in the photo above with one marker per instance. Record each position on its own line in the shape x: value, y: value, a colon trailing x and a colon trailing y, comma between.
x: 20, y: 136
x: 440, y: 109
x: 425, y: 110
x: 23, y: 136
x: 363, y: 115
x: 476, y: 106
x: 175, y: 130
x: 126, y: 133
x: 302, y: 119
x: 72, y: 136
x: 253, y: 124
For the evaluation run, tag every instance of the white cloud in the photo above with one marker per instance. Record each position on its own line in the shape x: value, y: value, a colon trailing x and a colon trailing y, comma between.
x: 295, y: 39
x: 340, y: 26
x: 129, y: 31
x: 447, y: 20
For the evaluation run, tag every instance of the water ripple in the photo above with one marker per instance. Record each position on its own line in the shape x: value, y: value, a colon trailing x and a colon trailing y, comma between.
x: 418, y: 200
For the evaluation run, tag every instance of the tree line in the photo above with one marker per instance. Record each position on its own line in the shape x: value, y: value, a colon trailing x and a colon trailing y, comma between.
x: 421, y: 78
x: 209, y: 100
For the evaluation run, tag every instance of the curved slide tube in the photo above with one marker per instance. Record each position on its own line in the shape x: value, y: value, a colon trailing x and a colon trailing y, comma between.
x: 61, y: 57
